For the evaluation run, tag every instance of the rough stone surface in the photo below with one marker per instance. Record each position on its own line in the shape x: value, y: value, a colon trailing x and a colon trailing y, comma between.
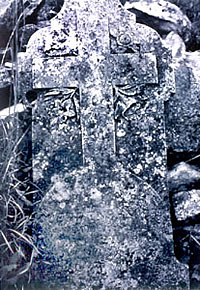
x: 184, y: 184
x: 186, y: 204
x: 176, y: 44
x: 123, y: 245
x: 183, y: 8
x: 5, y: 77
x: 162, y: 16
x: 99, y: 150
x: 191, y: 8
x: 182, y: 112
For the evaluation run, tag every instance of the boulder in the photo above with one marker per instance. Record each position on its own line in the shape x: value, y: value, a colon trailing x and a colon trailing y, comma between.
x: 176, y: 44
x: 182, y: 177
x: 186, y: 204
x: 162, y: 16
x: 190, y: 8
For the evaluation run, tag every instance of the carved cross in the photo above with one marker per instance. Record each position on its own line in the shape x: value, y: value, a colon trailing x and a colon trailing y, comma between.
x: 96, y: 70
x: 113, y: 229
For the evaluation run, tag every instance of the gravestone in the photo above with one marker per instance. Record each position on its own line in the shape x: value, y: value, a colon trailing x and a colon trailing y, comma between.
x: 99, y: 153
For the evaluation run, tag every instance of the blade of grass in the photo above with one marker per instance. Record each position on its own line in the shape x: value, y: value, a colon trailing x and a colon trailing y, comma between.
x: 23, y: 237
x: 14, y: 150
x: 7, y: 242
x: 198, y: 243
x: 28, y: 265
x: 192, y: 159
x: 17, y: 205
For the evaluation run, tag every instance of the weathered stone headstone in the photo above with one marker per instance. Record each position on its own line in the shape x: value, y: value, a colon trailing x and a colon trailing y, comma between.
x: 99, y: 150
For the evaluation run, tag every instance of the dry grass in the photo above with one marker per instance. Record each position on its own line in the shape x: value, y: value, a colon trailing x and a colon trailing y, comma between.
x: 16, y: 245
x: 17, y: 249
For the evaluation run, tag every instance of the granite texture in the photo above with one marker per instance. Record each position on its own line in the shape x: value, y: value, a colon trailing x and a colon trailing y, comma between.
x: 102, y: 219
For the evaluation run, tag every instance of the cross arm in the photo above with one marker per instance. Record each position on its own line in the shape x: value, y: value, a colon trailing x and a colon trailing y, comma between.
x: 133, y: 69
x: 55, y: 72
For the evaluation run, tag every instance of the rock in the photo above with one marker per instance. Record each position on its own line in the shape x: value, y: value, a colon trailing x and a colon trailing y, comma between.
x: 182, y: 177
x: 191, y: 8
x: 183, y: 108
x: 33, y: 12
x: 192, y: 61
x: 176, y: 44
x: 5, y: 77
x: 161, y: 16
x: 186, y: 204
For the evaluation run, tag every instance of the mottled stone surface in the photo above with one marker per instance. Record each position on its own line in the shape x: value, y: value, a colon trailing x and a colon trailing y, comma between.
x: 186, y: 204
x: 182, y: 112
x: 102, y: 216
x: 57, y: 147
x: 111, y: 227
x: 162, y: 16
x: 5, y: 77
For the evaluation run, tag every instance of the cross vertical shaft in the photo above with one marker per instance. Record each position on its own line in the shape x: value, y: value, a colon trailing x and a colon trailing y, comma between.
x: 95, y: 84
